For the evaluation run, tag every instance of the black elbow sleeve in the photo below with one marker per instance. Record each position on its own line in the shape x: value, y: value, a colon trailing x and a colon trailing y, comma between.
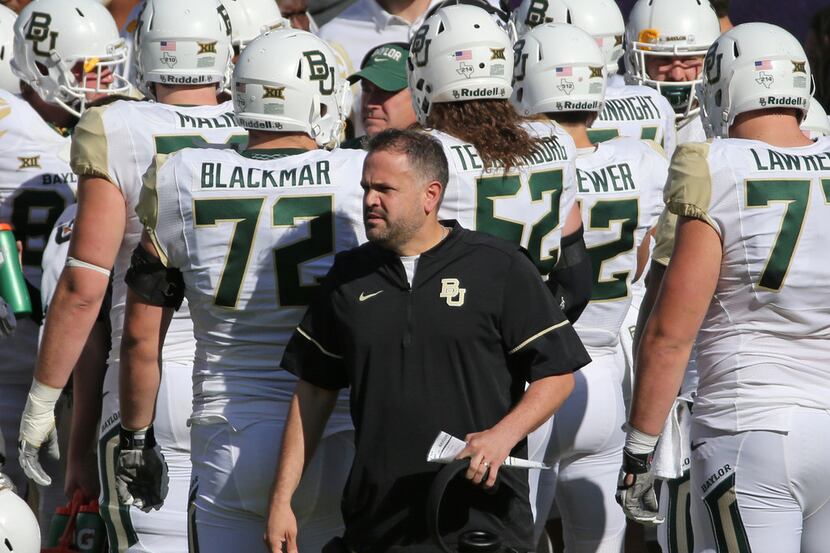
x: 156, y: 284
x: 571, y: 279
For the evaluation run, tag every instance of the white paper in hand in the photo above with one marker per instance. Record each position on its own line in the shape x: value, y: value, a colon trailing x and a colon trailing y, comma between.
x: 446, y: 448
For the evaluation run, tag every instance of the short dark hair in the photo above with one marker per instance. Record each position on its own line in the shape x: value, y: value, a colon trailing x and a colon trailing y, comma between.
x: 424, y: 153
x: 721, y: 7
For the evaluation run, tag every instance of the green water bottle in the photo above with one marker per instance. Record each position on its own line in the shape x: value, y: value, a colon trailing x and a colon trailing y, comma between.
x: 57, y: 526
x: 90, y: 533
x: 12, y: 284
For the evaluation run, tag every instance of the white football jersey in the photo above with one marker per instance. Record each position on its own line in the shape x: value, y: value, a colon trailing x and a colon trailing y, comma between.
x: 118, y: 142
x: 691, y: 131
x: 252, y: 234
x: 765, y: 341
x: 620, y: 191
x: 528, y: 206
x: 54, y: 254
x: 635, y: 111
x: 36, y: 183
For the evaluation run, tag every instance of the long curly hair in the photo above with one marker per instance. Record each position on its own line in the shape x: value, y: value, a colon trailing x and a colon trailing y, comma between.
x: 492, y: 126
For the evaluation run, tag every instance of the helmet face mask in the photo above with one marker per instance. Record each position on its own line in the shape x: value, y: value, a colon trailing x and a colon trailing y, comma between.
x: 187, y: 42
x: 307, y: 96
x: 665, y: 30
x: 69, y: 51
x: 752, y: 67
x: 460, y: 53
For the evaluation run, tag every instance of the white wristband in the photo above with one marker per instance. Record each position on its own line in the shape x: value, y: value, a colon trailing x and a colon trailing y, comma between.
x: 39, y: 414
x: 639, y: 442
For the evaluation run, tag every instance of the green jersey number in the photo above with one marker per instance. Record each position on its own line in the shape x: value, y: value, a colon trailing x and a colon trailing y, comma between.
x: 490, y: 189
x: 173, y: 143
x: 795, y: 194
x: 287, y: 259
x: 601, y: 135
x: 244, y: 213
x: 603, y: 214
x: 34, y: 213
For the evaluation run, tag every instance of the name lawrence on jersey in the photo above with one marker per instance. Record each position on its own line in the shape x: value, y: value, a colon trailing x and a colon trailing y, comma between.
x: 779, y: 161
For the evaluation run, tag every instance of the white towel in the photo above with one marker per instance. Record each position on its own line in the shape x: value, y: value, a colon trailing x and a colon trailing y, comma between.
x: 671, y: 458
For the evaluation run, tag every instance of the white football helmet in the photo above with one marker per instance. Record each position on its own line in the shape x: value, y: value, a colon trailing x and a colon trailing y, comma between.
x: 303, y: 92
x: 669, y: 28
x: 816, y: 124
x: 559, y: 67
x: 601, y: 19
x: 251, y: 18
x: 186, y: 42
x: 460, y: 53
x: 752, y: 66
x: 8, y: 81
x: 53, y: 37
x: 19, y: 530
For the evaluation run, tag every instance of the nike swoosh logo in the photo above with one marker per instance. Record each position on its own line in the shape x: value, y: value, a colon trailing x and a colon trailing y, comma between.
x: 695, y: 446
x: 364, y: 296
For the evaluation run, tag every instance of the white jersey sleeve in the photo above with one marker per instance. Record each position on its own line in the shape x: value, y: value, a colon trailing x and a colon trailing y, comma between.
x: 528, y: 205
x: 252, y: 238
x: 635, y: 111
x: 763, y: 345
x: 118, y: 143
x: 36, y: 182
x: 54, y: 255
x: 620, y: 190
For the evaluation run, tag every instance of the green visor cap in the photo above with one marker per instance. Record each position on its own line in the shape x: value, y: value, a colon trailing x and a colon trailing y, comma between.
x: 385, y: 67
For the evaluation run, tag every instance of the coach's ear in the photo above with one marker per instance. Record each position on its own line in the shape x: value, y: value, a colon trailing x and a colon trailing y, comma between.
x: 433, y: 194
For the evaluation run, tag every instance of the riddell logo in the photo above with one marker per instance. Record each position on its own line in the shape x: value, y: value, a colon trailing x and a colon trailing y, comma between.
x: 577, y: 106
x: 773, y: 101
x: 183, y: 79
x: 495, y: 91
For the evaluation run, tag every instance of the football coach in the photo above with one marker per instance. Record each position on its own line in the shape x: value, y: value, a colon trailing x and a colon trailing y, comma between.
x: 432, y: 327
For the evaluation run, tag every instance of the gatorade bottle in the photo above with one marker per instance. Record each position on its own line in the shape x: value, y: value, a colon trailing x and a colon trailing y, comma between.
x: 90, y: 533
x: 58, y: 525
x: 12, y: 284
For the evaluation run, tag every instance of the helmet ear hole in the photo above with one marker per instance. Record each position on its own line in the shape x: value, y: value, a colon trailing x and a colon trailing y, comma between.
x: 735, y: 49
x: 718, y: 98
x: 440, y: 27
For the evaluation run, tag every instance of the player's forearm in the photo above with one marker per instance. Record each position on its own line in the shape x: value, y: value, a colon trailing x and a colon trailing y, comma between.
x: 140, y: 371
x: 87, y: 385
x: 310, y: 409
x: 653, y: 280
x: 540, y: 401
x: 70, y: 319
x: 661, y: 363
